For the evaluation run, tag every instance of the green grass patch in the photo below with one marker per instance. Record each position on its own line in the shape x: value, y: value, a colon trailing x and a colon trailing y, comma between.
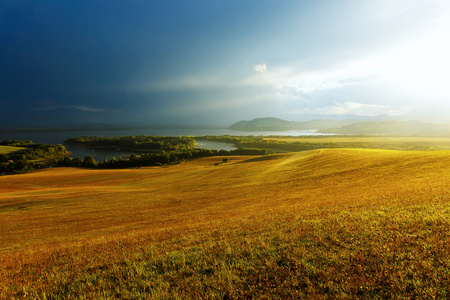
x: 10, y: 149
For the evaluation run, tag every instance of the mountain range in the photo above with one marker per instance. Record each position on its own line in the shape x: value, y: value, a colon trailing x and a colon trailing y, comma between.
x: 348, y: 126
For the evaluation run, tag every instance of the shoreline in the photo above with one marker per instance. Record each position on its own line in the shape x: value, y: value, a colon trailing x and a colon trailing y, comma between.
x: 116, y: 148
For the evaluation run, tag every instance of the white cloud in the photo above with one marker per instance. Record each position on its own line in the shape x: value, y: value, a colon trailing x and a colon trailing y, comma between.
x: 260, y: 68
x: 292, y: 91
x: 352, y: 108
x: 303, y: 84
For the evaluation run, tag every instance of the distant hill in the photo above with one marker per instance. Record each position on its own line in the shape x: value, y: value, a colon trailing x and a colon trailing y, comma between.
x: 348, y: 126
x: 405, y: 128
x: 275, y: 124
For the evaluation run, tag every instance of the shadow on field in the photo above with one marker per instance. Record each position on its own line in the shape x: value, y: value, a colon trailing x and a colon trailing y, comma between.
x: 17, y: 207
x: 261, y: 158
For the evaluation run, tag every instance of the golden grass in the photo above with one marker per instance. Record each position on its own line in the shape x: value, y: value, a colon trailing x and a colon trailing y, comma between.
x: 339, y: 222
x: 434, y: 143
x: 9, y: 149
x: 349, y: 138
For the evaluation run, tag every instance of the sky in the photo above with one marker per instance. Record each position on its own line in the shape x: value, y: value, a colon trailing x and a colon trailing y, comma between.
x: 215, y: 62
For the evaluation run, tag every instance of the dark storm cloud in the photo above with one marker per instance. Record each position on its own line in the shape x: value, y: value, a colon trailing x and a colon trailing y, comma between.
x: 204, y: 61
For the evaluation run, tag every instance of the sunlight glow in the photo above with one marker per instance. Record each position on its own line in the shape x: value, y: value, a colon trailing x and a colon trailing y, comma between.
x: 424, y: 65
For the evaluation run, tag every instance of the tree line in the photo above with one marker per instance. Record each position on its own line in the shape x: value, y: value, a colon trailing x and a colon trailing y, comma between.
x: 164, y: 151
x: 272, y: 145
x: 260, y: 142
x: 34, y: 156
x: 152, y: 159
x: 136, y: 143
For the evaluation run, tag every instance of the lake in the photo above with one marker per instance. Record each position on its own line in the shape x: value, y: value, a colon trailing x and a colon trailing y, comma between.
x: 46, y: 137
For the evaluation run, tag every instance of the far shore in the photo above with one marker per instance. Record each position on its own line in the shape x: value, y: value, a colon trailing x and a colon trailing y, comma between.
x: 117, y: 148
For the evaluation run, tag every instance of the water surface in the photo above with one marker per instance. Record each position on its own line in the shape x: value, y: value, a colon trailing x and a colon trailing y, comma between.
x: 58, y: 137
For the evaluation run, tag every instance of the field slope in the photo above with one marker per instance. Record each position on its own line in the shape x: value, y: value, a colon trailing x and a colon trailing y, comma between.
x: 320, y: 224
x: 9, y: 149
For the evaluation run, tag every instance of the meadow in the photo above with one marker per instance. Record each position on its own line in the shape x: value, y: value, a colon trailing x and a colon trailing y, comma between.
x: 374, y: 141
x: 283, y: 144
x: 318, y: 224
x: 9, y: 149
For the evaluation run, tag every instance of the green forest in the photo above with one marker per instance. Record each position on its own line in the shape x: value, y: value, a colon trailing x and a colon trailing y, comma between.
x: 164, y: 150
x: 152, y: 159
x: 149, y: 151
x: 275, y: 144
x: 139, y: 143
x: 29, y: 156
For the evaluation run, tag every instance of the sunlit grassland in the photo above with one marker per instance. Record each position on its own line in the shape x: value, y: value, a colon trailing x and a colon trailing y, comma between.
x: 321, y: 224
x: 434, y: 143
x: 9, y: 149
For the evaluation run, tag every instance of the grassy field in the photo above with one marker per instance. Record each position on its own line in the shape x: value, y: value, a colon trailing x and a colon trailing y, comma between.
x: 366, y: 139
x: 9, y: 149
x: 320, y: 224
x: 375, y: 142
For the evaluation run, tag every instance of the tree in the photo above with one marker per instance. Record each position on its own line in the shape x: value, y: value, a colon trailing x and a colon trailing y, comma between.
x: 89, y: 161
x: 77, y: 162
x: 66, y: 161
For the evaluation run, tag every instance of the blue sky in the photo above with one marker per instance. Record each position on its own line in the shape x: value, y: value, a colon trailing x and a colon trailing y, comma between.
x: 218, y: 62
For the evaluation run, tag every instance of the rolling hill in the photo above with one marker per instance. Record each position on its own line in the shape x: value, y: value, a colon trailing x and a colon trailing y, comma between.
x: 348, y: 126
x: 328, y: 223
